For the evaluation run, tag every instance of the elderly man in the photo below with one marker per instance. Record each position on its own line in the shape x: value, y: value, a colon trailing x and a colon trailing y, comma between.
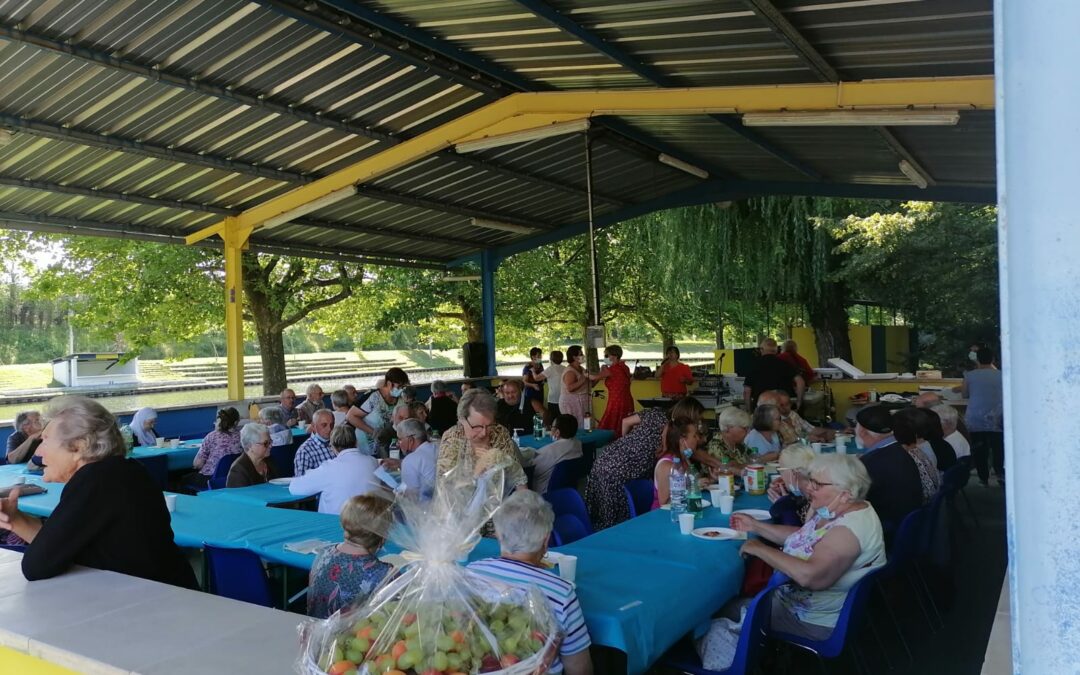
x: 563, y: 448
x: 509, y: 413
x: 344, y: 475
x: 950, y: 426
x: 791, y: 355
x: 418, y: 465
x: 523, y: 524
x: 792, y: 426
x: 350, y: 394
x: 22, y: 443
x: 895, y: 486
x: 313, y: 402
x: 316, y: 449
x: 288, y: 407
x: 770, y: 372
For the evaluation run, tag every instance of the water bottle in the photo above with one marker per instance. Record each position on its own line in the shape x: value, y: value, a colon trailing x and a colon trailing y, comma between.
x: 677, y: 489
x: 693, y: 488
x: 538, y: 427
x: 517, y: 439
x: 586, y: 422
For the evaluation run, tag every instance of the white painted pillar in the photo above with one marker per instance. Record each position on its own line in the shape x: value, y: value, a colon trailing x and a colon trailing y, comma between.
x: 1038, y: 152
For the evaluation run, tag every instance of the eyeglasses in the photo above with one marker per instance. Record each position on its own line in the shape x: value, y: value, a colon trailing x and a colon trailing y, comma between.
x: 816, y: 484
x: 485, y: 427
x: 263, y: 444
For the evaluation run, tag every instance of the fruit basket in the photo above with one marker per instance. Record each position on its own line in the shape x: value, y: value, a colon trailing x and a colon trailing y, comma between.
x: 434, y: 616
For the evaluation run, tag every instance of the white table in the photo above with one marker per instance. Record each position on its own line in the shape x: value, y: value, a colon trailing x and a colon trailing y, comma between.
x: 102, y: 622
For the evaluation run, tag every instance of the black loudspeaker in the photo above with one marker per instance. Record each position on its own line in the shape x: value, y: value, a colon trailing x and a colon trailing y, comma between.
x: 475, y: 359
x: 745, y: 360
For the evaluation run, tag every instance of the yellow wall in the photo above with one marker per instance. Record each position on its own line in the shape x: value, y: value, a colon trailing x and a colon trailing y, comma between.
x: 12, y: 661
x: 861, y: 355
x: 729, y: 361
x: 807, y: 344
x: 843, y: 390
x: 897, y: 346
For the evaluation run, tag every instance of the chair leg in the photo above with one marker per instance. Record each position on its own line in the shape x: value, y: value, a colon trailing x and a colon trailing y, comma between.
x: 896, y: 624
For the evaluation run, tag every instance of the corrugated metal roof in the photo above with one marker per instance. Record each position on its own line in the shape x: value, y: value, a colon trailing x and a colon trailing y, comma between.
x: 222, y: 104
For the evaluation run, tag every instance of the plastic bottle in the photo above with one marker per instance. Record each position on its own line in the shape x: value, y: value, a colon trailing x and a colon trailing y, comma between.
x: 517, y: 439
x: 693, y: 487
x: 677, y: 489
x: 538, y: 427
x: 586, y: 424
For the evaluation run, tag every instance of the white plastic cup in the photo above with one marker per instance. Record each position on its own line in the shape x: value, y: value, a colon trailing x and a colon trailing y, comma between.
x: 170, y: 503
x: 715, y: 495
x: 160, y: 441
x: 727, y: 504
x: 302, y: 426
x: 568, y: 567
x: 686, y: 523
x: 395, y: 454
x: 816, y: 447
x: 20, y: 480
x: 174, y: 443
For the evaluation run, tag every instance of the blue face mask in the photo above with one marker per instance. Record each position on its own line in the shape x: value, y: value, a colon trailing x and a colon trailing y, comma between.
x: 825, y: 514
x: 395, y: 392
x: 793, y: 488
x: 973, y: 356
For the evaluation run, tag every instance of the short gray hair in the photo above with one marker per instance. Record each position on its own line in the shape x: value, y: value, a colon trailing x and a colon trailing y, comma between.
x: 320, y: 412
x: 339, y: 398
x: 732, y: 417
x: 846, y: 472
x: 412, y: 427
x: 477, y: 400
x: 950, y: 418
x: 523, y: 522
x: 252, y: 432
x: 342, y: 437
x: 438, y: 387
x: 78, y: 418
x: 311, y: 387
x: 797, y: 456
x: 272, y: 414
x: 24, y: 417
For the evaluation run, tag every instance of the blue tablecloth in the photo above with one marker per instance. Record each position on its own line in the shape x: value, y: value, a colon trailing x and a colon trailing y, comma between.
x: 255, y: 495
x: 180, y: 458
x: 597, y: 437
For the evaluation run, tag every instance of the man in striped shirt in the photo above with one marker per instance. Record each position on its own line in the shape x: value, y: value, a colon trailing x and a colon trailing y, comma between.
x: 523, y: 524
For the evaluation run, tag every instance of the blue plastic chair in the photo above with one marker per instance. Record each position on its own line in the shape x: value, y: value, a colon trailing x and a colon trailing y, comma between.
x: 566, y: 474
x: 568, y: 502
x: 282, y: 457
x: 639, y: 496
x: 953, y: 483
x: 238, y: 574
x: 221, y: 471
x: 752, y: 639
x: 158, y: 468
x: 851, y: 617
x: 567, y: 529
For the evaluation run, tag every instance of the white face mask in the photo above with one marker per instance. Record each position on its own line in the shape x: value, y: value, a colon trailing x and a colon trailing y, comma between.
x: 607, y: 361
x: 859, y: 443
x: 395, y: 392
x: 973, y: 356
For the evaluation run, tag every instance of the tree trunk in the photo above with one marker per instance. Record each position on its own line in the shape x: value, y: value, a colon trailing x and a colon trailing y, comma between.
x: 720, y: 332
x: 272, y: 354
x: 829, y: 319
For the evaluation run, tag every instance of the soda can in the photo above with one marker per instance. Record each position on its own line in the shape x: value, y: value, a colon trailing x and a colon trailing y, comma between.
x: 755, y: 479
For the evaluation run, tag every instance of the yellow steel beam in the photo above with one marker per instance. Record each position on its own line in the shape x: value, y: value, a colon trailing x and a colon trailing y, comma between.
x: 519, y: 112
x: 235, y: 238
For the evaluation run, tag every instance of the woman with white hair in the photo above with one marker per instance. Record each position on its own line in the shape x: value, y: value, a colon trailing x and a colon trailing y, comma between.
x: 274, y: 418
x: 840, y: 542
x: 253, y: 466
x: 727, y: 445
x: 790, y: 505
x: 111, y: 516
x: 522, y: 525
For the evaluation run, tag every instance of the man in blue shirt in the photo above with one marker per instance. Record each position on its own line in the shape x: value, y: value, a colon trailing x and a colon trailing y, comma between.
x: 985, y: 416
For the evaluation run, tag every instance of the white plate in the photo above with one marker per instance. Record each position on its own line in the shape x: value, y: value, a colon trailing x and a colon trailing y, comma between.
x: 279, y: 481
x: 756, y: 514
x: 717, y: 533
x: 704, y: 502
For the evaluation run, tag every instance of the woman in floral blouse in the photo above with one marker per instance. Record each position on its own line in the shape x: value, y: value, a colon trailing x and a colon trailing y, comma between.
x: 478, y: 444
x: 347, y: 573
x: 223, y: 440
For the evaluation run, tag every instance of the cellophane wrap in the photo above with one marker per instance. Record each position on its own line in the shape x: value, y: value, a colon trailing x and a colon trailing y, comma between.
x: 434, y: 616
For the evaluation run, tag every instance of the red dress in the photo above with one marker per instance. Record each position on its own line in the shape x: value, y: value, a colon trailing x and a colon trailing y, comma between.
x: 620, y: 402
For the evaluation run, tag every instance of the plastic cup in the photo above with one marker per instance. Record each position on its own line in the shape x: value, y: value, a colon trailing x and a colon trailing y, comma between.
x: 715, y: 495
x: 301, y: 426
x: 174, y: 443
x: 20, y: 480
x: 568, y: 567
x: 160, y: 441
x: 686, y: 523
x: 170, y: 503
x: 395, y: 454
x: 727, y: 504
x: 816, y: 447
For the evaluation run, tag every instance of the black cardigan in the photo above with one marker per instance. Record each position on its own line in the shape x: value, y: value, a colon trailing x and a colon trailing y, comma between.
x: 111, y: 516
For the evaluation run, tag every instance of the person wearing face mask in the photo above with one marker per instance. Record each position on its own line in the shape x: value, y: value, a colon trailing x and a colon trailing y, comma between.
x: 620, y: 402
x: 840, y: 543
x: 789, y: 505
x: 576, y: 385
x: 896, y: 488
x: 371, y: 419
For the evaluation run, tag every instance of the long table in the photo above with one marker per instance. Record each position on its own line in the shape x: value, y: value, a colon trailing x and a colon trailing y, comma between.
x: 264, y: 494
x: 181, y: 458
x: 597, y: 438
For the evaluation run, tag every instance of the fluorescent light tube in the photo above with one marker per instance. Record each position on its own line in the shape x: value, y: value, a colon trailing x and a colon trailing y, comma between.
x: 548, y: 131
x: 853, y: 118
x: 913, y: 174
x: 312, y: 206
x: 504, y: 227
x: 676, y: 163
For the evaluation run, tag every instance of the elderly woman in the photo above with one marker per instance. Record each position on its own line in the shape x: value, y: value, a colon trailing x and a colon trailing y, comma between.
x: 930, y: 431
x: 840, y: 542
x: 371, y: 419
x: 523, y: 524
x: 253, y: 466
x: 339, y: 399
x: 790, y: 506
x: 348, y: 572
x: 905, y: 429
x: 111, y: 516
x: 222, y: 441
x: 574, y: 399
x: 620, y: 402
x: 478, y: 444
x: 950, y: 429
x: 727, y: 445
x: 764, y: 438
x: 27, y: 436
x: 142, y: 426
x: 274, y: 418
x: 631, y: 457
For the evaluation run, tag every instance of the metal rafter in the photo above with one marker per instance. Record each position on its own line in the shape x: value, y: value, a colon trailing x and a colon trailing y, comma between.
x: 155, y: 73
x: 340, y: 226
x: 660, y: 79
x: 446, y: 207
x: 822, y: 69
x: 74, y: 226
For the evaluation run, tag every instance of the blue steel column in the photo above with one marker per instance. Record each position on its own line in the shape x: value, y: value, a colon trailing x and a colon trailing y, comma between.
x: 488, y: 264
x: 1038, y: 143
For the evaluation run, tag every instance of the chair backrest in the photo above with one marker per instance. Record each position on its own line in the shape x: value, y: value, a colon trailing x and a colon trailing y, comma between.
x: 566, y: 474
x: 568, y: 502
x: 158, y: 468
x: 851, y: 614
x: 221, y: 472
x: 238, y: 574
x: 639, y: 496
x: 754, y: 632
x: 568, y: 529
x: 282, y: 457
x: 956, y: 478
x: 908, y: 539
